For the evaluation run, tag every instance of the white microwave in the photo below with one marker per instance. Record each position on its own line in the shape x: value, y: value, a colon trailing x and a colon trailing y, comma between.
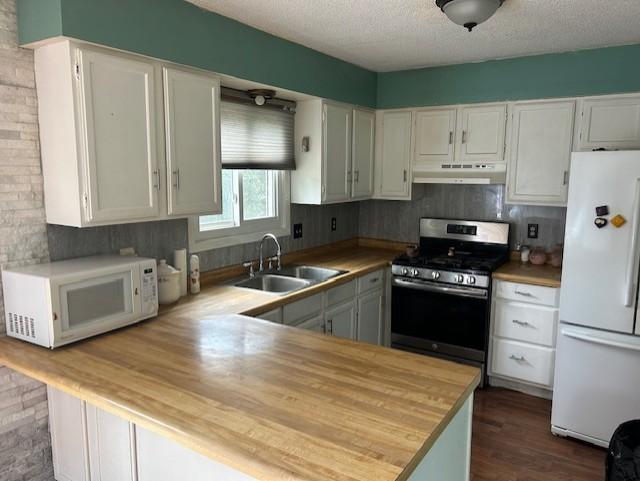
x: 62, y: 302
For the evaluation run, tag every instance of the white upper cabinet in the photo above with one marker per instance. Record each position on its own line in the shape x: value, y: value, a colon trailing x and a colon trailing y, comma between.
x: 363, y: 150
x: 611, y: 122
x: 334, y: 153
x: 541, y: 141
x: 102, y: 132
x: 192, y: 131
x: 117, y: 96
x: 336, y: 130
x: 481, y: 133
x: 393, y: 155
x: 435, y: 131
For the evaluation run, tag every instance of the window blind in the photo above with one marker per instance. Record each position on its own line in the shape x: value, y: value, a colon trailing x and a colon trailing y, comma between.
x: 253, y: 137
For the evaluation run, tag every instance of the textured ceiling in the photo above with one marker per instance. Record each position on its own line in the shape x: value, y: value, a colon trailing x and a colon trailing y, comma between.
x: 385, y: 35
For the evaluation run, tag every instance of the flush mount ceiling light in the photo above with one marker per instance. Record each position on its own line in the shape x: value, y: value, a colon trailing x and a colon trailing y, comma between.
x: 260, y: 96
x: 469, y: 13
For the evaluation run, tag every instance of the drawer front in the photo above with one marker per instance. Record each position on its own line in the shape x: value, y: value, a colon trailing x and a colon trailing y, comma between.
x: 273, y: 316
x: 523, y: 362
x: 345, y: 292
x: 373, y: 280
x: 547, y: 296
x: 525, y: 322
x: 303, y: 309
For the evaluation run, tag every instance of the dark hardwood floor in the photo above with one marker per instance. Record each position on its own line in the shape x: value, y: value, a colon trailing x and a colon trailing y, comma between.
x: 512, y: 441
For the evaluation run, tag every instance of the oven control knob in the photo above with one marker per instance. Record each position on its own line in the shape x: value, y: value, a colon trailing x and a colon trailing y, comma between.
x: 471, y: 280
x: 405, y: 271
x: 435, y: 275
x: 459, y: 278
x: 415, y: 272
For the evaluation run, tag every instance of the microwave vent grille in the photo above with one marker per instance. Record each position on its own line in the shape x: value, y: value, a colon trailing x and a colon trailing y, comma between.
x: 22, y: 325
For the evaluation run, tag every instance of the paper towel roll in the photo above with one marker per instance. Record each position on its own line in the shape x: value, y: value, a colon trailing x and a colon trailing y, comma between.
x: 180, y: 262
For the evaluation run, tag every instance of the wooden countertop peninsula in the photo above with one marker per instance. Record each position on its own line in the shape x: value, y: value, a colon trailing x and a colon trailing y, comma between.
x: 274, y: 402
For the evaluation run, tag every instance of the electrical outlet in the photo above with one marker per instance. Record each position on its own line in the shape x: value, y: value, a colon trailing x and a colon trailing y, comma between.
x: 532, y: 231
x: 334, y: 224
x: 297, y: 231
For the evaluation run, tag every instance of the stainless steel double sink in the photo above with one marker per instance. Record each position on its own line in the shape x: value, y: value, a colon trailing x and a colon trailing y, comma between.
x: 288, y: 279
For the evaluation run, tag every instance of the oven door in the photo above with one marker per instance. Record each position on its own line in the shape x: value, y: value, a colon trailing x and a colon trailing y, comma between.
x: 448, y: 320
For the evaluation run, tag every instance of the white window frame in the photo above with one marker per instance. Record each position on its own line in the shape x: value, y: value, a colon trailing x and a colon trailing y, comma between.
x: 248, y: 230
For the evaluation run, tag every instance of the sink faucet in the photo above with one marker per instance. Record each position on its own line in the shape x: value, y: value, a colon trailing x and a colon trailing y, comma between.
x: 278, y: 253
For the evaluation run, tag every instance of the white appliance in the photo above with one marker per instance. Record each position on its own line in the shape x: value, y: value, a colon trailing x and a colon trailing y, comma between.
x: 61, y: 302
x: 597, y: 377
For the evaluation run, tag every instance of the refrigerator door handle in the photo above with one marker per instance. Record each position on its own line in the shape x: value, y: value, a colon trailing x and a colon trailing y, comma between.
x: 598, y: 340
x: 632, y: 264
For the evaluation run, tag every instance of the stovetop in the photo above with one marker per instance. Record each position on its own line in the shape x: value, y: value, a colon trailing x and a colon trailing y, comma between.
x: 458, y: 262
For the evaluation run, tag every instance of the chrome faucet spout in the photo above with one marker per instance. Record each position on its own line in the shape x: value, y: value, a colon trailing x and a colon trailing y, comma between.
x: 278, y: 251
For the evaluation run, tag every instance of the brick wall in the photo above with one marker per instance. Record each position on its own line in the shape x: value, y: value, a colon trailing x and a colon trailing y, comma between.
x: 25, y: 452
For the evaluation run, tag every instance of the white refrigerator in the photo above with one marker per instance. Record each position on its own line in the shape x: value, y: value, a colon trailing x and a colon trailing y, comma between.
x: 597, y: 374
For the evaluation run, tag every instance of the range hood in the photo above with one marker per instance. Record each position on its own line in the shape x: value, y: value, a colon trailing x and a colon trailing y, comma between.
x: 460, y: 173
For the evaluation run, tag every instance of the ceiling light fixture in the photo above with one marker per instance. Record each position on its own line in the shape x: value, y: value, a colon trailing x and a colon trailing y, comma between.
x: 260, y: 96
x: 469, y: 13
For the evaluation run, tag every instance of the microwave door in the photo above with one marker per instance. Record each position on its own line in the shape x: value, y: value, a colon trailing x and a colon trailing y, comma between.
x: 88, y: 307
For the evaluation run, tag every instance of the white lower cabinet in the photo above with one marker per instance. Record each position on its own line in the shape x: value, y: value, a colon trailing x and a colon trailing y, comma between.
x: 370, y: 317
x: 341, y: 320
x: 273, y: 316
x: 67, y: 423
x: 88, y: 443
x: 524, y: 320
x: 110, y: 440
x: 316, y: 323
x: 354, y: 310
x: 160, y: 459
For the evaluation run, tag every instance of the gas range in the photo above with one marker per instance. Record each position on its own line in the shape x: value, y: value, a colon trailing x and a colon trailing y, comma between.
x: 447, y: 271
x: 441, y: 297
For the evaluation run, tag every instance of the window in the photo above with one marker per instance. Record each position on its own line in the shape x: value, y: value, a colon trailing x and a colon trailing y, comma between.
x: 254, y: 202
x: 257, y: 151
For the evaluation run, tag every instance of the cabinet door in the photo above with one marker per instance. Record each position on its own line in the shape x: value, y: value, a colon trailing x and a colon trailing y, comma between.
x: 370, y: 316
x: 341, y: 320
x: 314, y: 324
x: 481, y: 133
x: 435, y: 135
x: 111, y: 454
x: 395, y: 156
x: 118, y: 122
x: 363, y: 137
x: 273, y: 316
x: 610, y: 123
x: 68, y: 436
x: 192, y: 129
x: 540, y: 153
x: 161, y: 459
x: 336, y: 173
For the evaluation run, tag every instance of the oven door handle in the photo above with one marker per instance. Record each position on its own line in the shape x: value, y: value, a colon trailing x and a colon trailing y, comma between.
x: 431, y: 287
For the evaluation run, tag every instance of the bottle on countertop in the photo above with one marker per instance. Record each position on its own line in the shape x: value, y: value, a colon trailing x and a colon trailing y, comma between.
x: 194, y: 264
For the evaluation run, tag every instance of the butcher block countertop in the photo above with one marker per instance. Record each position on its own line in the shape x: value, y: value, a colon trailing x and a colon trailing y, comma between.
x: 272, y: 401
x: 516, y: 271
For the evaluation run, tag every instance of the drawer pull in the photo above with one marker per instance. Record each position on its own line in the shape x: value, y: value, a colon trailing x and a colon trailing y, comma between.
x: 523, y: 293
x: 521, y: 323
x: 517, y: 358
x: 374, y: 280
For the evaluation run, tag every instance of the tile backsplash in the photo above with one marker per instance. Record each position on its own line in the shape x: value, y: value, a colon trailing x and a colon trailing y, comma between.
x: 159, y: 239
x: 380, y: 219
x: 399, y: 220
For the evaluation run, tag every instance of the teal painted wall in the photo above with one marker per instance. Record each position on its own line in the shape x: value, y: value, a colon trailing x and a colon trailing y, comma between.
x: 177, y: 31
x: 39, y: 19
x: 587, y: 72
